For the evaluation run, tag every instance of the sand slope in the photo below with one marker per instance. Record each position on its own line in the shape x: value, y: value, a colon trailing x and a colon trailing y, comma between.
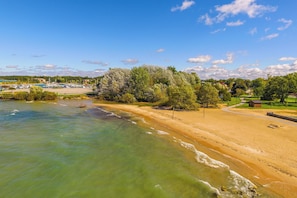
x: 261, y: 148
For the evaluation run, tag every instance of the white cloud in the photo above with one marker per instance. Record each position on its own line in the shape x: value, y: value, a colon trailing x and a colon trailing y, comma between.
x: 185, y: 5
x: 217, y: 72
x: 270, y: 36
x: 248, y: 7
x: 95, y: 62
x: 49, y: 66
x: 200, y: 59
x: 287, y: 59
x: 218, y: 30
x: 12, y: 66
x: 287, y: 23
x: 253, y: 31
x: 160, y: 50
x: 130, y: 61
x: 228, y: 60
x: 235, y: 23
x: 207, y: 20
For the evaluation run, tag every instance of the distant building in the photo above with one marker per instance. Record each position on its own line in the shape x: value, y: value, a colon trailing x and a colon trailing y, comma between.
x: 40, y: 80
x: 255, y: 103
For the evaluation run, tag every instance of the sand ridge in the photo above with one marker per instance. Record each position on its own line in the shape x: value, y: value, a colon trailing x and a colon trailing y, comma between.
x: 261, y: 148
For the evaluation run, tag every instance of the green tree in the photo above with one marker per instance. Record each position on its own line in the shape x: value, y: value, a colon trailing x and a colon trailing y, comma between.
x: 258, y: 86
x: 239, y: 87
x: 114, y: 84
x: 35, y: 93
x: 208, y: 95
x: 139, y: 83
x: 276, y: 88
x: 182, y: 97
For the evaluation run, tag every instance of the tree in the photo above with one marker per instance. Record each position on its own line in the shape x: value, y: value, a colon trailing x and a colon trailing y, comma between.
x: 114, y: 84
x: 35, y: 93
x: 239, y: 87
x: 258, y: 86
x: 139, y: 83
x: 208, y: 95
x: 182, y: 97
x: 276, y: 88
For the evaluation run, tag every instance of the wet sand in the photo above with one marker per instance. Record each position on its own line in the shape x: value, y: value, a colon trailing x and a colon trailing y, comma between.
x: 260, y: 148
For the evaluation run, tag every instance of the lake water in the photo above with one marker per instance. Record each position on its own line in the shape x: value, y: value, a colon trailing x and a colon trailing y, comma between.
x: 54, y: 149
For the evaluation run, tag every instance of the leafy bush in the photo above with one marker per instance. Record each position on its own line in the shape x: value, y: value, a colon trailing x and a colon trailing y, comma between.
x: 21, y: 95
x: 128, y: 98
x: 47, y: 95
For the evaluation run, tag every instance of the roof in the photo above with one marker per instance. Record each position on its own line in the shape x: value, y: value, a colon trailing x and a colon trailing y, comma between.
x: 256, y: 101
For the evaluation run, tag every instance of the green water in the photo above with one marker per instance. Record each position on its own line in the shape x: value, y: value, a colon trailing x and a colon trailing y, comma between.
x: 59, y: 150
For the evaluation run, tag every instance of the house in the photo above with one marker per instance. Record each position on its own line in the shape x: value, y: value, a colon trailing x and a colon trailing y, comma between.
x: 255, y: 103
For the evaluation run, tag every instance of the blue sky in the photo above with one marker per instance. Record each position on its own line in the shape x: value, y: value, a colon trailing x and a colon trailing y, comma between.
x: 215, y: 38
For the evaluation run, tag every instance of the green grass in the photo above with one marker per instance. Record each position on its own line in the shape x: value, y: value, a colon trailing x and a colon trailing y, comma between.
x: 272, y: 105
x: 233, y: 101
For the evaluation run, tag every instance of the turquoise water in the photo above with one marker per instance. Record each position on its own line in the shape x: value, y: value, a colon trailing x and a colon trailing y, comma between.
x: 59, y: 150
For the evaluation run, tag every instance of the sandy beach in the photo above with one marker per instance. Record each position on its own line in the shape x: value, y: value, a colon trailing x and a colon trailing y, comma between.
x: 260, y: 148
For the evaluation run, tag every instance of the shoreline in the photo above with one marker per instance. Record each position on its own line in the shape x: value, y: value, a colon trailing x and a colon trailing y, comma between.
x: 260, y: 148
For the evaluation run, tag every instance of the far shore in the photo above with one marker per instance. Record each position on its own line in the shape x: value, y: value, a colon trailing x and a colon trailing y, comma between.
x: 261, y: 148
x: 60, y: 91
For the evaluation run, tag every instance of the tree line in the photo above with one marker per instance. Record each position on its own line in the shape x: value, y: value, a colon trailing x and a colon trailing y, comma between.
x: 181, y: 90
x: 162, y: 86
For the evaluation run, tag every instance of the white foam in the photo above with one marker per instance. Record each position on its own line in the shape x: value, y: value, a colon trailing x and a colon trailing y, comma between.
x: 158, y: 186
x: 241, y: 183
x: 148, y: 132
x: 202, y: 157
x: 211, y: 187
x: 162, y: 132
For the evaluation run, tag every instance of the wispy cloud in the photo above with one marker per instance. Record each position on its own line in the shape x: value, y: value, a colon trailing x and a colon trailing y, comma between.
x: 12, y: 66
x: 38, y: 55
x: 287, y: 23
x: 130, y: 61
x: 200, y: 59
x: 160, y: 50
x: 245, y: 72
x: 235, y: 23
x: 228, y: 60
x: 101, y: 63
x: 248, y: 7
x: 287, y: 59
x: 253, y: 31
x: 185, y: 5
x: 218, y: 30
x: 270, y: 36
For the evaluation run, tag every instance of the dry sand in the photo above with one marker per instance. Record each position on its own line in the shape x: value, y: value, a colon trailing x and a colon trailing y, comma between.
x: 261, y: 148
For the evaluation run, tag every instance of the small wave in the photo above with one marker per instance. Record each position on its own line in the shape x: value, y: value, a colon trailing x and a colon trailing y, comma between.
x: 63, y: 105
x: 202, y: 157
x: 211, y: 187
x: 148, y: 132
x: 243, y: 184
x: 158, y: 186
x: 13, y: 112
x: 162, y: 132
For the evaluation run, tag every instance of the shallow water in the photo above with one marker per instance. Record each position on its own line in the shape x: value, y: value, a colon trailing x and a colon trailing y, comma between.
x: 59, y: 150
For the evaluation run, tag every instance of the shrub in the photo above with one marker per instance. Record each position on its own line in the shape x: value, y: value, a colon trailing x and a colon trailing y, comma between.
x: 47, y: 95
x: 128, y: 98
x: 21, y: 95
